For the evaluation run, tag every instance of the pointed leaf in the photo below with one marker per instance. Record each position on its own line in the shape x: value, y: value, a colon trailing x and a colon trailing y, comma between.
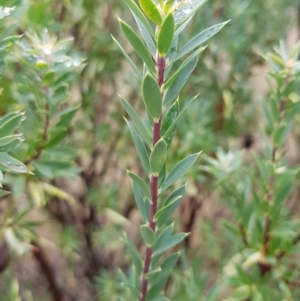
x: 166, y: 34
x: 180, y: 69
x: 169, y: 243
x: 141, y: 184
x: 142, y: 204
x: 131, y: 63
x: 10, y: 123
x: 179, y: 82
x: 162, y: 216
x: 151, y: 11
x: 137, y: 261
x: 152, y: 97
x: 158, y: 157
x: 140, y: 147
x: 179, y: 170
x: 146, y: 36
x: 138, y: 46
x: 281, y: 133
x: 15, y: 141
x: 169, y: 122
x: 158, y: 283
x: 137, y: 121
x: 169, y: 131
x: 9, y: 163
x: 147, y: 234
x: 199, y: 39
x: 139, y: 14
x: 186, y: 9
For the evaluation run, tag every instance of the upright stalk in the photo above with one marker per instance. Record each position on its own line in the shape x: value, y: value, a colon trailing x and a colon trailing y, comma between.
x: 160, y: 65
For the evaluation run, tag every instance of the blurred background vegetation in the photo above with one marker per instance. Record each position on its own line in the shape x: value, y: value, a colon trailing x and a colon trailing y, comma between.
x: 80, y: 238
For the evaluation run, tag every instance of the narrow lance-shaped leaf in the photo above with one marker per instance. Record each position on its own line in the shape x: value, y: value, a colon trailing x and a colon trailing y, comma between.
x: 137, y: 261
x: 140, y: 201
x: 162, y: 216
x: 158, y: 283
x: 139, y: 14
x: 179, y: 170
x: 131, y: 63
x: 170, y: 129
x: 152, y: 97
x: 179, y: 82
x: 158, y: 157
x: 11, y: 164
x: 169, y: 123
x: 178, y: 72
x: 146, y: 36
x: 141, y: 184
x: 136, y: 119
x: 165, y: 35
x: 169, y: 243
x: 13, y: 142
x: 147, y: 234
x: 151, y: 11
x: 140, y: 147
x: 199, y: 39
x: 9, y: 125
x: 138, y: 46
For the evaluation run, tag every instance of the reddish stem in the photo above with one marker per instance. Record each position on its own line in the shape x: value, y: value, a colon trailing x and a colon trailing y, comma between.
x: 160, y: 64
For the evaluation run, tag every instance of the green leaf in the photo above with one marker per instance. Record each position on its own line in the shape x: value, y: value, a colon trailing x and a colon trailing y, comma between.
x: 42, y: 170
x: 159, y: 281
x: 191, y: 6
x: 281, y: 133
x: 179, y: 191
x: 66, y: 116
x: 158, y: 157
x: 143, y: 205
x: 152, y: 97
x: 168, y: 6
x: 199, y: 39
x: 137, y: 261
x: 139, y: 14
x: 151, y: 11
x: 170, y: 129
x: 137, y: 121
x: 10, y: 143
x: 179, y: 170
x: 162, y: 176
x: 140, y: 147
x: 181, y: 68
x: 131, y: 63
x: 165, y: 35
x: 162, y: 215
x: 138, y: 46
x: 141, y: 184
x: 179, y: 82
x: 169, y: 123
x: 147, y: 234
x: 146, y: 36
x: 10, y: 123
x: 9, y: 163
x: 162, y: 246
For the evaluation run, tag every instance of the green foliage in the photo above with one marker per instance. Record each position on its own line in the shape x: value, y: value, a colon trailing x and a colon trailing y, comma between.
x: 159, y: 93
x: 62, y: 165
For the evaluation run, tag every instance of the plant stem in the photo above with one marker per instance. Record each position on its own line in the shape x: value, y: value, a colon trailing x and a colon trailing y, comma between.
x: 160, y: 64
